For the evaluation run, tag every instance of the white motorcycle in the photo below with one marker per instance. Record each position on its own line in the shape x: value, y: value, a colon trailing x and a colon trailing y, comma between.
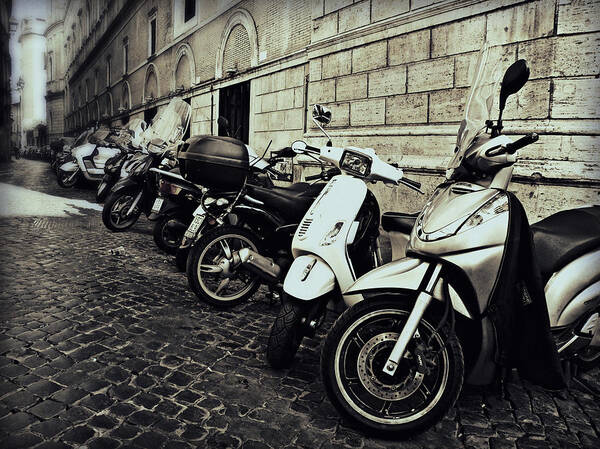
x: 336, y: 241
x: 89, y: 159
x: 469, y: 302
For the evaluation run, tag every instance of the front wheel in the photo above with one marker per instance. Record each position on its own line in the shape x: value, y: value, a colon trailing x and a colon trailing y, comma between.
x: 115, y: 213
x: 427, y: 381
x: 66, y: 179
x: 213, y: 269
x: 286, y: 333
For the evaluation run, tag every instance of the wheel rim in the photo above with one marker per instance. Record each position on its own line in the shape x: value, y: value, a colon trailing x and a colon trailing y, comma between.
x: 65, y: 178
x: 418, y: 384
x: 170, y: 237
x: 118, y: 212
x: 218, y: 272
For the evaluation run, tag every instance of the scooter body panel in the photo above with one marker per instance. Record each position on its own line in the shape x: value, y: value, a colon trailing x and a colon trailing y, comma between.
x: 69, y: 167
x: 95, y: 171
x: 325, y: 231
x: 574, y: 290
x: 309, y: 277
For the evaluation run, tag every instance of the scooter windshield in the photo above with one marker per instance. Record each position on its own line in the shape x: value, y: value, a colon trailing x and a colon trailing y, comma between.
x: 172, y: 123
x: 478, y: 109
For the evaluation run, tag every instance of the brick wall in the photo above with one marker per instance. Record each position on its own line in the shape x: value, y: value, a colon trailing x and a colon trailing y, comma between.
x: 401, y: 88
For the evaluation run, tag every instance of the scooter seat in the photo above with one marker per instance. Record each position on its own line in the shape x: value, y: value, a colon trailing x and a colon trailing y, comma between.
x: 290, y: 202
x: 565, y: 236
x: 398, y: 222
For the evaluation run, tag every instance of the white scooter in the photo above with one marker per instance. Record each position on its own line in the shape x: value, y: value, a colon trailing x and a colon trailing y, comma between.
x: 469, y: 303
x: 335, y: 243
x: 89, y: 159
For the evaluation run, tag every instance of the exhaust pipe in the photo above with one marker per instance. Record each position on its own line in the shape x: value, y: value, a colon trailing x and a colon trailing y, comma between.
x: 260, y: 265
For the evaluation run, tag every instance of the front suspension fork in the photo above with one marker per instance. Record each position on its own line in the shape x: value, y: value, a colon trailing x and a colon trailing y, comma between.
x: 409, y: 329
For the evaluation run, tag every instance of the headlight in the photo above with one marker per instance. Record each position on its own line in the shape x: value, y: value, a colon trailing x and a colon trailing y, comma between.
x: 331, y: 236
x: 355, y: 163
x: 492, y: 208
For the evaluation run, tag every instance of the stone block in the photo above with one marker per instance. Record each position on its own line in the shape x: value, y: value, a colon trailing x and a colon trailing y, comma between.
x: 298, y: 97
x: 324, y: 27
x: 354, y: 17
x: 532, y: 101
x: 465, y: 64
x: 519, y: 23
x: 268, y: 102
x: 314, y: 69
x: 279, y: 80
x: 577, y: 55
x: 369, y: 57
x: 200, y: 101
x: 416, y: 4
x: 386, y: 82
x: 293, y: 119
x: 321, y: 92
x: 447, y: 105
x: 578, y: 16
x: 409, y: 47
x: 458, y: 37
x: 317, y: 9
x: 336, y: 64
x: 334, y: 5
x: 261, y: 122
x: 404, y: 109
x: 340, y: 114
x: 294, y: 77
x: 367, y: 112
x: 285, y: 99
x: 383, y: 9
x: 351, y: 87
x: 430, y: 75
x: 576, y: 98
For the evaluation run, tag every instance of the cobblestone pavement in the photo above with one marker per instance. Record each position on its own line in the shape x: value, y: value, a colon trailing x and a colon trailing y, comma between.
x: 107, y: 349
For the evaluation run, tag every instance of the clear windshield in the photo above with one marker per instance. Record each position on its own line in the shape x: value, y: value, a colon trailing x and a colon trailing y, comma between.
x: 478, y: 109
x: 172, y: 122
x: 82, y: 138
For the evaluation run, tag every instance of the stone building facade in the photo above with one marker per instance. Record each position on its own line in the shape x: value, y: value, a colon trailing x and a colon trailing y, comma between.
x: 6, y: 117
x: 394, y: 72
x: 55, y: 70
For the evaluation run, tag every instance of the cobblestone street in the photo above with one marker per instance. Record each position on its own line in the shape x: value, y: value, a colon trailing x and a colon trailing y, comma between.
x: 103, y: 346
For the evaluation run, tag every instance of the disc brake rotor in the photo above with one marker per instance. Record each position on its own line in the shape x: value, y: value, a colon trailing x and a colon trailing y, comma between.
x: 370, y: 363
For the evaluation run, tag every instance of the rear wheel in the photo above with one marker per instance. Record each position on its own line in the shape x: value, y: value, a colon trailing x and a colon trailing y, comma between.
x: 115, y: 214
x: 213, y: 269
x: 286, y: 333
x: 424, y: 387
x: 168, y: 233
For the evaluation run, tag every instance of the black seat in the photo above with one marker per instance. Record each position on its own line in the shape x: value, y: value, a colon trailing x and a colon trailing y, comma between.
x: 290, y: 202
x: 398, y: 222
x: 564, y: 236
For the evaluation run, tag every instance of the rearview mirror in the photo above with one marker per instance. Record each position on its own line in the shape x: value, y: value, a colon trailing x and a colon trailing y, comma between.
x: 321, y: 114
x: 299, y: 146
x: 514, y: 79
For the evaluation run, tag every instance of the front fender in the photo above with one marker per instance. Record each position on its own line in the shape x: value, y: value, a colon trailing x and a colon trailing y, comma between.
x: 125, y: 184
x: 69, y: 167
x: 404, y: 275
x: 319, y: 281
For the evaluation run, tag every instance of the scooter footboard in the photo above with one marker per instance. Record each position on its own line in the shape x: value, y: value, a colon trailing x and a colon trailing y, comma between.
x: 309, y: 277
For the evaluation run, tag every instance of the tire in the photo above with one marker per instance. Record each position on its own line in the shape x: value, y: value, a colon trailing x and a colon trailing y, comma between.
x: 206, y: 247
x: 62, y: 178
x: 352, y: 359
x: 168, y: 239
x: 286, y: 333
x: 116, y: 204
x: 181, y: 256
x: 103, y: 191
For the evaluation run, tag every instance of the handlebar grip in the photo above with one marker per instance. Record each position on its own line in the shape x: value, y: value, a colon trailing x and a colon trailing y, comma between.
x: 311, y: 148
x: 511, y: 148
x: 416, y: 184
x: 313, y: 177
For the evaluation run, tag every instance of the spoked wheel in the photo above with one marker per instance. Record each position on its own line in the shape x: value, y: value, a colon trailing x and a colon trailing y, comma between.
x: 66, y: 179
x: 213, y: 268
x: 115, y: 213
x: 427, y: 381
x: 168, y: 233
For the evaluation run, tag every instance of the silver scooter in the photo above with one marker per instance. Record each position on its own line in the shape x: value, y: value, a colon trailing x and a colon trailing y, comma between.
x: 469, y: 301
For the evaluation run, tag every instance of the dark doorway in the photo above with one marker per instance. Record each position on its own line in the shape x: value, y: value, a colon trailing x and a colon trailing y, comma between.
x: 186, y: 136
x: 149, y: 115
x: 234, y: 105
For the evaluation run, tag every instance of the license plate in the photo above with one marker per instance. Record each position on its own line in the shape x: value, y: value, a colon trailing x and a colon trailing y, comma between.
x: 194, y: 226
x: 158, y: 202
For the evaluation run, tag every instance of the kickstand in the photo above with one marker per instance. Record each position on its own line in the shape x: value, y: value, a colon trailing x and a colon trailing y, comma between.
x: 586, y: 387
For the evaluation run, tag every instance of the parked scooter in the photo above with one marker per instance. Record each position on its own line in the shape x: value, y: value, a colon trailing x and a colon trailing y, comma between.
x: 66, y: 156
x: 393, y: 364
x: 89, y: 159
x: 247, y: 242
x: 335, y: 243
x: 136, y: 193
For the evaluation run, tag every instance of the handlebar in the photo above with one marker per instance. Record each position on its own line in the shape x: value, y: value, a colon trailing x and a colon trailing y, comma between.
x: 313, y: 149
x: 326, y: 175
x: 410, y: 183
x: 512, y: 148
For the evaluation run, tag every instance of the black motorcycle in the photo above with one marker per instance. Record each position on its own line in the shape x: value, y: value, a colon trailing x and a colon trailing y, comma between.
x: 135, y: 193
